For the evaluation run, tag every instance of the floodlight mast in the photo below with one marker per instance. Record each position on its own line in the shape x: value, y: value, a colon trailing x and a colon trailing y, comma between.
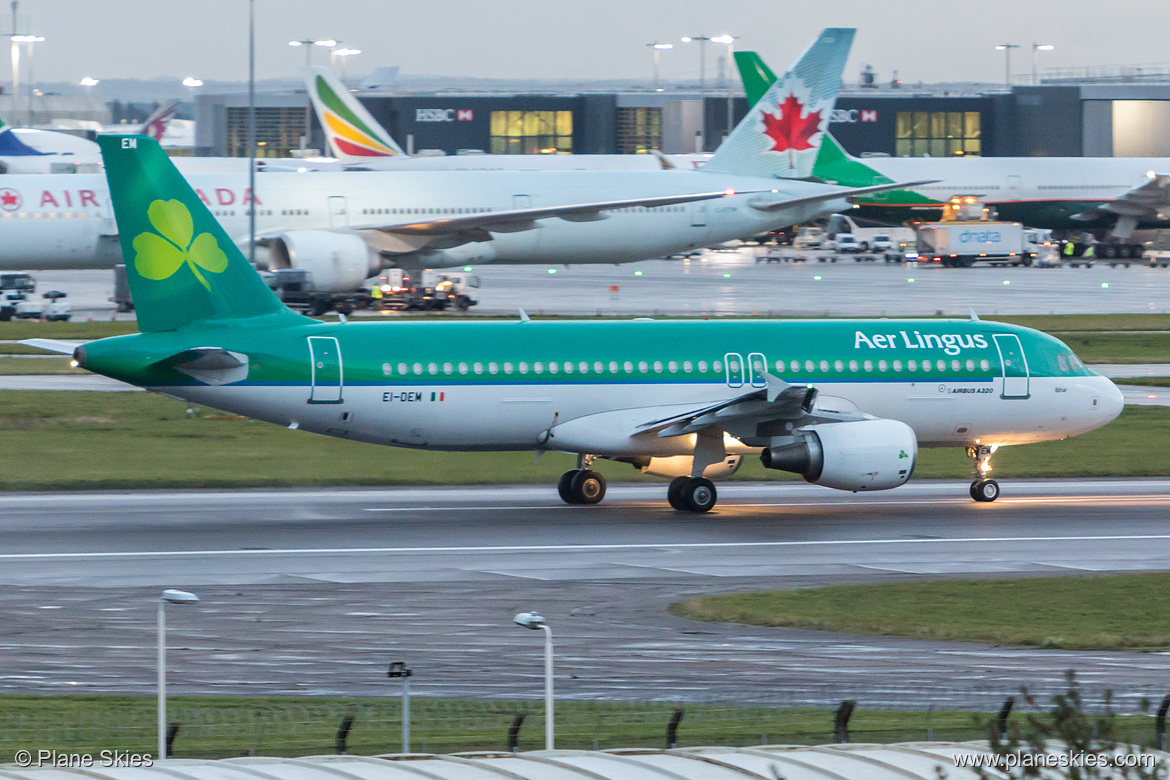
x: 169, y: 596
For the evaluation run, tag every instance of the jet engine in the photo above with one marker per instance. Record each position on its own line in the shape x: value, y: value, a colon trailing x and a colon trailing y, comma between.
x: 861, y: 455
x: 339, y: 262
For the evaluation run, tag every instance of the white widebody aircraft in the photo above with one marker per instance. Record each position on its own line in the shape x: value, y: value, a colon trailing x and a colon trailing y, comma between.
x: 346, y: 227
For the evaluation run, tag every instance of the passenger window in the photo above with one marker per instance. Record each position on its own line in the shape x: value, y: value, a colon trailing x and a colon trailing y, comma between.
x: 657, y: 366
x: 507, y: 368
x: 897, y: 365
x: 628, y: 366
x: 538, y: 367
x: 912, y: 365
x: 402, y: 369
x: 687, y: 366
x: 853, y: 365
x: 824, y: 365
x: 868, y: 365
x: 717, y: 366
x: 795, y: 366
x: 523, y: 367
x: 985, y: 364
x: 493, y: 368
x: 839, y: 365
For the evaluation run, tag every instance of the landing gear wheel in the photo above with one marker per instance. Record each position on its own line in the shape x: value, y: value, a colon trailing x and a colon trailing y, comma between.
x: 674, y: 493
x: 699, y: 494
x: 587, y: 487
x: 985, y: 490
x: 564, y: 486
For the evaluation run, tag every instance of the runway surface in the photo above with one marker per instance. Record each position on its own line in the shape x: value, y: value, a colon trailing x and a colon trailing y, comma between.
x: 313, y: 591
x: 732, y: 282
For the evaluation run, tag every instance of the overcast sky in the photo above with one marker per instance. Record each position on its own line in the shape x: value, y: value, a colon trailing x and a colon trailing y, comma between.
x: 928, y: 40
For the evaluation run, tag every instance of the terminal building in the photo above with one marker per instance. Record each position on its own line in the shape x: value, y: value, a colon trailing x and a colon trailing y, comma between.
x: 1059, y: 117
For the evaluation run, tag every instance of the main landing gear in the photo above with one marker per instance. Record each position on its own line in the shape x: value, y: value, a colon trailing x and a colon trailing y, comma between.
x: 692, y: 494
x: 982, y: 488
x: 582, y: 485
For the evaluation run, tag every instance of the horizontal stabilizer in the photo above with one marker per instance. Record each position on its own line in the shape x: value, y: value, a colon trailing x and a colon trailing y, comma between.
x: 53, y: 345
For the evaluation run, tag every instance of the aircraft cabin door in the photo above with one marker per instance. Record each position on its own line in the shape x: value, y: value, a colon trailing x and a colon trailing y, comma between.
x: 338, y: 211
x: 733, y: 363
x: 1014, y: 182
x: 325, y: 364
x: 757, y: 366
x: 521, y: 202
x: 1015, y: 365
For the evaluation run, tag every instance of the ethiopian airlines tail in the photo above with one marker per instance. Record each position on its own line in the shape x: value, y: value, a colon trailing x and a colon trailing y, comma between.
x: 353, y: 134
x: 781, y: 134
x: 11, y: 146
x: 181, y: 266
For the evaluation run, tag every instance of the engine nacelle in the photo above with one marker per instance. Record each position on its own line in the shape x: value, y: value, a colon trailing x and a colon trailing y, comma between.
x: 680, y: 466
x: 861, y: 455
x: 339, y: 262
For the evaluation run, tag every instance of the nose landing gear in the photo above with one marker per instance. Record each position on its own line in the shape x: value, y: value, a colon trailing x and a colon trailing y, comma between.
x: 982, y: 487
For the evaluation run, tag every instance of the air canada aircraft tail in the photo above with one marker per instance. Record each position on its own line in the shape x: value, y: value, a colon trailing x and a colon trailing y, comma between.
x: 353, y: 133
x: 782, y: 133
x: 180, y: 264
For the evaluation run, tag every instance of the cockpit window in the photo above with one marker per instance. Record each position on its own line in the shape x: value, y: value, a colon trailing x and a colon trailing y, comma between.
x: 1076, y: 363
x: 1062, y: 361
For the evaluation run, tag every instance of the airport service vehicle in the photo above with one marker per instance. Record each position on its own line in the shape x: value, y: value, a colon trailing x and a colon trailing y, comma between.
x: 1106, y: 194
x: 1157, y: 253
x: 429, y: 290
x: 295, y: 289
x: 17, y: 283
x: 845, y: 404
x: 869, y: 237
x: 962, y: 244
x: 346, y: 227
x: 845, y: 243
x: 809, y: 237
x: 52, y: 306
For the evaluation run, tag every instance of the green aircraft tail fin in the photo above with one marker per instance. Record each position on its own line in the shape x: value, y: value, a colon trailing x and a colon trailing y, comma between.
x: 837, y: 166
x: 181, y: 265
x: 756, y: 76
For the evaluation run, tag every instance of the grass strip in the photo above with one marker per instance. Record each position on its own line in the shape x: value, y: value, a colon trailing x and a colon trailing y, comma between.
x: 217, y: 727
x: 86, y: 440
x: 1115, y: 612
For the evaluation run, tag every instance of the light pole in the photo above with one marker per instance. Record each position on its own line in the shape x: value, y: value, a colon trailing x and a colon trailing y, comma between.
x: 536, y: 623
x: 252, y: 132
x: 658, y: 48
x: 28, y: 40
x: 398, y: 669
x: 168, y: 597
x: 1036, y: 47
x: 1006, y: 48
x: 341, y: 56
x: 89, y: 84
x: 730, y: 41
x: 702, y: 41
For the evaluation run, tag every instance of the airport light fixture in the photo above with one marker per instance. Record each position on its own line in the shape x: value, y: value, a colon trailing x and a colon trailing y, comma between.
x: 341, y: 55
x: 309, y: 43
x: 1038, y: 47
x: 702, y: 41
x: 398, y: 670
x: 88, y: 82
x: 535, y: 622
x: 168, y: 597
x: 192, y: 82
x: 729, y: 40
x: 27, y: 40
x: 1006, y: 48
x: 658, y: 47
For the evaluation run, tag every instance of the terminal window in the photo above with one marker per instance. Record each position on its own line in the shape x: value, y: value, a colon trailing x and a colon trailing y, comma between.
x: 938, y: 134
x: 278, y: 131
x: 531, y: 132
x: 639, y: 130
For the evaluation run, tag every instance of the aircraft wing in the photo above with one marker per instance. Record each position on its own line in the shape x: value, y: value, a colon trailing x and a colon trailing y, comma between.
x: 1142, y: 202
x: 767, y: 204
x: 516, y: 220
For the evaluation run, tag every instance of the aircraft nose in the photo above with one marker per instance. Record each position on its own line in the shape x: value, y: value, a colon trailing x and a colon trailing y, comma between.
x: 1107, y: 399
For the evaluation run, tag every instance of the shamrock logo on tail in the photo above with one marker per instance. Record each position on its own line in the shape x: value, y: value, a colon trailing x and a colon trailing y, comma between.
x: 160, y: 255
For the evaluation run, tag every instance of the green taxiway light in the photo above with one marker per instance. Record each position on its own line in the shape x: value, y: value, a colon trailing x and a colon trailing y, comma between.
x: 637, y: 273
x: 726, y: 276
x: 1105, y: 285
x: 552, y: 270
x: 910, y: 281
x: 1005, y: 281
x: 817, y: 278
x: 466, y: 268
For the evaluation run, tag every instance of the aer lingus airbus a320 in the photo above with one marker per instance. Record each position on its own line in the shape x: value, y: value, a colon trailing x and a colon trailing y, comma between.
x: 844, y: 403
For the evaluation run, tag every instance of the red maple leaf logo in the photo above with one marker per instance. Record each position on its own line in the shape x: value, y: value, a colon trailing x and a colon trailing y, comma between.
x: 789, y: 130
